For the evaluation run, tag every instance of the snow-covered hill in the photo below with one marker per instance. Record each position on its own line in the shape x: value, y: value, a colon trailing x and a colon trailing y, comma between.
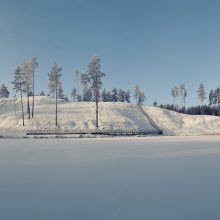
x: 173, y: 123
x: 112, y: 115
x: 71, y: 115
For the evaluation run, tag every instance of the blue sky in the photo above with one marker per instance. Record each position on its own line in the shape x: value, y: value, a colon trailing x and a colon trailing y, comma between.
x: 157, y: 44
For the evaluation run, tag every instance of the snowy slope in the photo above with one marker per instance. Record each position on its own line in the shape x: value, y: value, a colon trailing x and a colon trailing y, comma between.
x: 173, y: 123
x: 112, y: 115
x: 70, y: 116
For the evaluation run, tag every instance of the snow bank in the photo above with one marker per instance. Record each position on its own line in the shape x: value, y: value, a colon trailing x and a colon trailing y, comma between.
x: 112, y: 116
x: 71, y: 115
x: 173, y: 123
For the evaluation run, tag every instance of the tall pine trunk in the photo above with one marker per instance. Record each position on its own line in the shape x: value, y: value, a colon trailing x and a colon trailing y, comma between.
x: 22, y: 107
x: 56, y: 102
x: 33, y: 97
x: 28, y: 106
x: 97, y: 114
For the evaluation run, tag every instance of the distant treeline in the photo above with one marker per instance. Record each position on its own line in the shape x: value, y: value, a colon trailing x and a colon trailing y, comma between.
x: 195, y: 110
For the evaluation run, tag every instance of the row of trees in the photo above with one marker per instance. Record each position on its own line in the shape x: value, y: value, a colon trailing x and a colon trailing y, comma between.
x: 24, y: 83
x: 180, y: 92
x: 116, y: 95
x: 193, y: 110
x: 214, y: 97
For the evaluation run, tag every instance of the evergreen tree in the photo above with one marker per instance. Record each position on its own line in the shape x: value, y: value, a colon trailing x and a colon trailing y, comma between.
x: 27, y: 69
x: 19, y: 86
x: 183, y: 94
x: 60, y: 94
x: 74, y: 94
x: 104, y: 95
x: 201, y: 93
x: 138, y: 95
x: 175, y: 94
x: 4, y: 93
x: 55, y: 84
x: 211, y: 97
x: 136, y: 92
x: 217, y: 96
x: 96, y: 75
x: 34, y: 65
x: 109, y: 96
x: 141, y: 98
x: 79, y: 97
x: 121, y: 95
x: 42, y: 93
x: 155, y: 104
x: 127, y: 96
x: 114, y: 95
x: 87, y: 93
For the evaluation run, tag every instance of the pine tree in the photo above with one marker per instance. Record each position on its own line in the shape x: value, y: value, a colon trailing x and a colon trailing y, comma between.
x: 141, y: 98
x: 19, y: 86
x: 27, y: 69
x: 87, y: 93
x: 121, y: 95
x: 217, y: 95
x: 4, y: 93
x: 76, y: 76
x: 175, y: 93
x: 138, y: 95
x: 201, y: 93
x: 55, y: 84
x: 42, y: 93
x: 104, y: 95
x: 155, y: 104
x: 211, y: 97
x: 114, y: 95
x: 96, y: 75
x: 127, y: 96
x: 183, y: 94
x: 136, y: 91
x: 60, y: 94
x: 34, y: 64
x: 109, y: 96
x: 74, y: 94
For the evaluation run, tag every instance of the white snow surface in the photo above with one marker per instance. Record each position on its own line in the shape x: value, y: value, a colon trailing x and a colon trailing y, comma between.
x: 173, y: 123
x: 112, y: 116
x: 71, y: 115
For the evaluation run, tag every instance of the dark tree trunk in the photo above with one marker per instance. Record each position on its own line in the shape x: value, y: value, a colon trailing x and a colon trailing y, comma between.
x: 33, y: 97
x: 56, y: 103
x: 28, y: 106
x: 22, y: 108
x: 97, y: 114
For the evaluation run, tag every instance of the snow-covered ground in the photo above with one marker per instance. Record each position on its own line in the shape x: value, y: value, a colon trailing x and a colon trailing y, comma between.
x: 122, y: 178
x: 70, y: 116
x: 173, y: 123
x: 112, y: 115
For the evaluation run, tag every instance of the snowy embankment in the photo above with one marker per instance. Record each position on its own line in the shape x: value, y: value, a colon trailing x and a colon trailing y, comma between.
x: 112, y: 116
x: 70, y: 116
x: 173, y: 123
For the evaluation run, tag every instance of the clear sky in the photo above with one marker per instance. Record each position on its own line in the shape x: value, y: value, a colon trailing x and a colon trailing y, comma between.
x: 157, y: 44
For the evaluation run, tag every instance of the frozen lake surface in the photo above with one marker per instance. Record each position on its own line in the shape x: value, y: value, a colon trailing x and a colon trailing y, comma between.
x: 110, y: 179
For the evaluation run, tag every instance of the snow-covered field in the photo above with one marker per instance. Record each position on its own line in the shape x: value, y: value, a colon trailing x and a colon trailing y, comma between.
x: 112, y: 115
x: 122, y: 178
